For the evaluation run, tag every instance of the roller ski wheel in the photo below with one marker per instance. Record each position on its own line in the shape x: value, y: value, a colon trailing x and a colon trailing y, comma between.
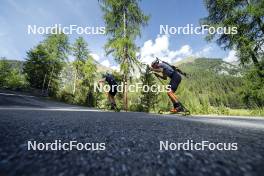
x: 183, y: 111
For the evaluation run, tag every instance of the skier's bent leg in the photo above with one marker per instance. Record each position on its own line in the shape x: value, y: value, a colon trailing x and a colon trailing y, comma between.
x: 109, y: 98
x: 173, y: 97
x: 112, y: 101
x: 174, y: 100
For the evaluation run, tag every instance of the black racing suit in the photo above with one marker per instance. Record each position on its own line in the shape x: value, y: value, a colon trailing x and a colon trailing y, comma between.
x: 112, y: 83
x: 172, y: 74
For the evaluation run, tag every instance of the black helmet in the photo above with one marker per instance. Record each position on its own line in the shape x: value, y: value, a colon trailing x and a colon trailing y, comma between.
x: 156, y: 61
x: 105, y: 75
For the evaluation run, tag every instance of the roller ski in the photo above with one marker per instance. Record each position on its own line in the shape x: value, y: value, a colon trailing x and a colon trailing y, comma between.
x: 181, y: 110
x: 183, y: 113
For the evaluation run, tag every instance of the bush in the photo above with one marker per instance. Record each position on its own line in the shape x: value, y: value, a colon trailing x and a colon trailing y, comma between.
x: 137, y: 108
x: 67, y: 97
x: 10, y: 76
x: 16, y: 81
x: 5, y: 69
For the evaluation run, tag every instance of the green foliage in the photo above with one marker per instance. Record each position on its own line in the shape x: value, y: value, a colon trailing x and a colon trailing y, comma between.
x: 66, y: 97
x: 37, y: 66
x: 16, y: 81
x: 10, y: 76
x: 47, y: 69
x: 247, y: 16
x: 208, y: 85
x: 89, y: 71
x: 57, y: 46
x: 123, y: 19
x: 81, y: 53
x: 78, y: 78
x: 84, y: 94
x: 80, y: 50
x: 253, y: 88
x: 5, y: 69
x: 45, y: 62
x: 147, y: 99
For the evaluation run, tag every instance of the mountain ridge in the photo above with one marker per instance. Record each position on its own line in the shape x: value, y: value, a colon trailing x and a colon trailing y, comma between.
x: 190, y: 64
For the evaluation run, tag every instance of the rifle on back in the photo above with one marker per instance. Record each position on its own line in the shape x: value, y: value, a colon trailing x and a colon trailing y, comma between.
x: 174, y: 68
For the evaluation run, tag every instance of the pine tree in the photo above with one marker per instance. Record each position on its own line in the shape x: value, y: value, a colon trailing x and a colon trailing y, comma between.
x: 148, y: 99
x: 37, y: 67
x: 123, y: 19
x: 57, y: 47
x: 81, y: 53
x: 45, y: 62
x: 89, y: 72
x: 247, y: 17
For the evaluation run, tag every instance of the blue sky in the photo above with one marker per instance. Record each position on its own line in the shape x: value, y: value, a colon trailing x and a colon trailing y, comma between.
x: 15, y: 15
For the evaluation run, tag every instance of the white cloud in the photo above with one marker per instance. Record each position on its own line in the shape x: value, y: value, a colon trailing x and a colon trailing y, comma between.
x: 160, y: 48
x: 116, y: 68
x: 204, y: 52
x: 95, y: 56
x: 160, y: 45
x: 105, y: 63
x: 231, y: 56
x: 185, y: 50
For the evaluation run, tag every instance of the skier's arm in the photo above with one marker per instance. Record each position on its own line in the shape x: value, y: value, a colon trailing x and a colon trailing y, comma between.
x: 159, y: 70
x: 163, y: 76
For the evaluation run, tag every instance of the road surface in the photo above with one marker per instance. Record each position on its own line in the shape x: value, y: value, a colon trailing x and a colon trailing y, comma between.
x: 132, y: 141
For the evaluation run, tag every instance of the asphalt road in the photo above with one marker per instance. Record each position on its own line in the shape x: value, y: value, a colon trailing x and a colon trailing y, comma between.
x: 132, y: 141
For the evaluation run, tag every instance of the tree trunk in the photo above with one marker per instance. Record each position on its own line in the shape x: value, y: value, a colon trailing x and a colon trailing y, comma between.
x: 43, y: 85
x: 126, y: 62
x: 125, y: 93
x: 74, y: 83
x: 50, y: 79
x: 75, y: 76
